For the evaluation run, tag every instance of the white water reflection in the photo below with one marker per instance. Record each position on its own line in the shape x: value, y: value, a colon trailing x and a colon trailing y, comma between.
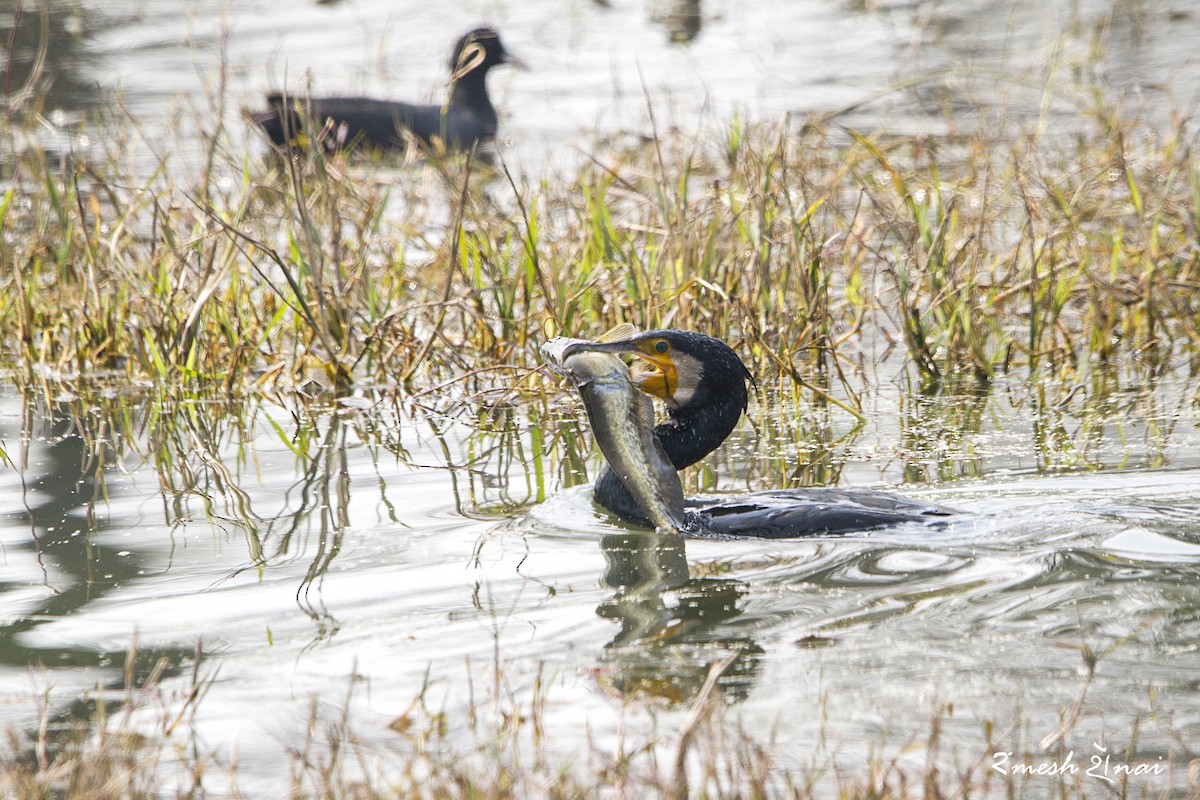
x: 841, y: 644
x: 882, y: 67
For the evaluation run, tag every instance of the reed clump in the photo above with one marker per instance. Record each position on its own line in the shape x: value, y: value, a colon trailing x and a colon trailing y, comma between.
x: 319, y: 274
x: 804, y: 248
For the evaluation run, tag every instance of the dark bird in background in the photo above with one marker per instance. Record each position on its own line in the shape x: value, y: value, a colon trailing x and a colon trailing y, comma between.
x: 703, y: 384
x: 466, y: 118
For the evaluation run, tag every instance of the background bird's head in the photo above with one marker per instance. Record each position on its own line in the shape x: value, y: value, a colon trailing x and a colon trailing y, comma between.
x: 479, y: 48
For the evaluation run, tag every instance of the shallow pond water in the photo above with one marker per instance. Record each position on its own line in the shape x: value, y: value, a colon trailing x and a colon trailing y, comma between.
x: 353, y: 559
x: 411, y: 554
x: 616, y: 69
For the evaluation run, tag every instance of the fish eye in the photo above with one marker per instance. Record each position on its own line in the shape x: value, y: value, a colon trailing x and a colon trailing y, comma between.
x: 661, y: 346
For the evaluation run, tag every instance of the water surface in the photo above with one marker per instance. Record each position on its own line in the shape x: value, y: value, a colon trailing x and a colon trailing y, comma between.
x: 381, y: 552
x: 616, y: 69
x: 412, y: 554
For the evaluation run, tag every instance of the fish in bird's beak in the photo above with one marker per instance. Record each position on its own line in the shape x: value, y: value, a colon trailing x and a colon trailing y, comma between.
x: 622, y: 420
x: 655, y: 371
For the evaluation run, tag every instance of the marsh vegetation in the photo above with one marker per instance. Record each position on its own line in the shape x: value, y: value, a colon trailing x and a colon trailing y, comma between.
x: 323, y: 368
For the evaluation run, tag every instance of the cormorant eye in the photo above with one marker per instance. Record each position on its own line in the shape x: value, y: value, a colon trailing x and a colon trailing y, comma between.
x: 661, y: 346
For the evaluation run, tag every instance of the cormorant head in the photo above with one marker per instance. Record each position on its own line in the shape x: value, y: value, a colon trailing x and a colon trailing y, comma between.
x: 685, y: 370
x: 480, y: 49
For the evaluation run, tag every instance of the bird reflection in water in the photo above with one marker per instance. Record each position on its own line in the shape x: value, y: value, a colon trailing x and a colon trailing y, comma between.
x: 681, y: 18
x: 674, y: 627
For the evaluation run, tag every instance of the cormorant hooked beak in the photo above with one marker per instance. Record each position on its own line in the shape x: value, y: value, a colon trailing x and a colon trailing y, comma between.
x: 657, y: 373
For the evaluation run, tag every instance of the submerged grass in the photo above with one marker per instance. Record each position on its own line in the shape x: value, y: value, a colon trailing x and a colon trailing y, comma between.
x: 142, y: 740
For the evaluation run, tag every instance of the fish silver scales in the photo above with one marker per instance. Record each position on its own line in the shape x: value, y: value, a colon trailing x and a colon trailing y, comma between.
x: 622, y: 420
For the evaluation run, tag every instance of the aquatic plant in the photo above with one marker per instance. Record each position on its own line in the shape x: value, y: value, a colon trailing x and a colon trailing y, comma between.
x: 158, y: 313
x: 978, y: 253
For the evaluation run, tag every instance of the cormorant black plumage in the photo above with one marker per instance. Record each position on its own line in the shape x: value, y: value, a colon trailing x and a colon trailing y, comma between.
x: 465, y: 119
x: 703, y: 384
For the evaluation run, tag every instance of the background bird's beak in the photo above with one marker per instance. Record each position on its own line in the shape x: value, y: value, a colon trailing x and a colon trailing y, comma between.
x: 515, y: 61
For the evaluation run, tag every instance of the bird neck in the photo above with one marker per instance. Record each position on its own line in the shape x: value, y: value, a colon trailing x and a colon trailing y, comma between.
x: 689, y: 435
x: 470, y: 91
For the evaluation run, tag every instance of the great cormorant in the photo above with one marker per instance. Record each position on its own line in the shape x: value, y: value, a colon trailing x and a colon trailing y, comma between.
x: 466, y: 118
x: 703, y: 384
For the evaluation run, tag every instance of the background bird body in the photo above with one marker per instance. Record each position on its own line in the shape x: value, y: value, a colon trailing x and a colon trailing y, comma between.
x: 464, y: 120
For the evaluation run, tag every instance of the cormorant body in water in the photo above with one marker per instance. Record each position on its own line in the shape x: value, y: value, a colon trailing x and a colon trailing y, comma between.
x: 703, y: 384
x: 465, y: 119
